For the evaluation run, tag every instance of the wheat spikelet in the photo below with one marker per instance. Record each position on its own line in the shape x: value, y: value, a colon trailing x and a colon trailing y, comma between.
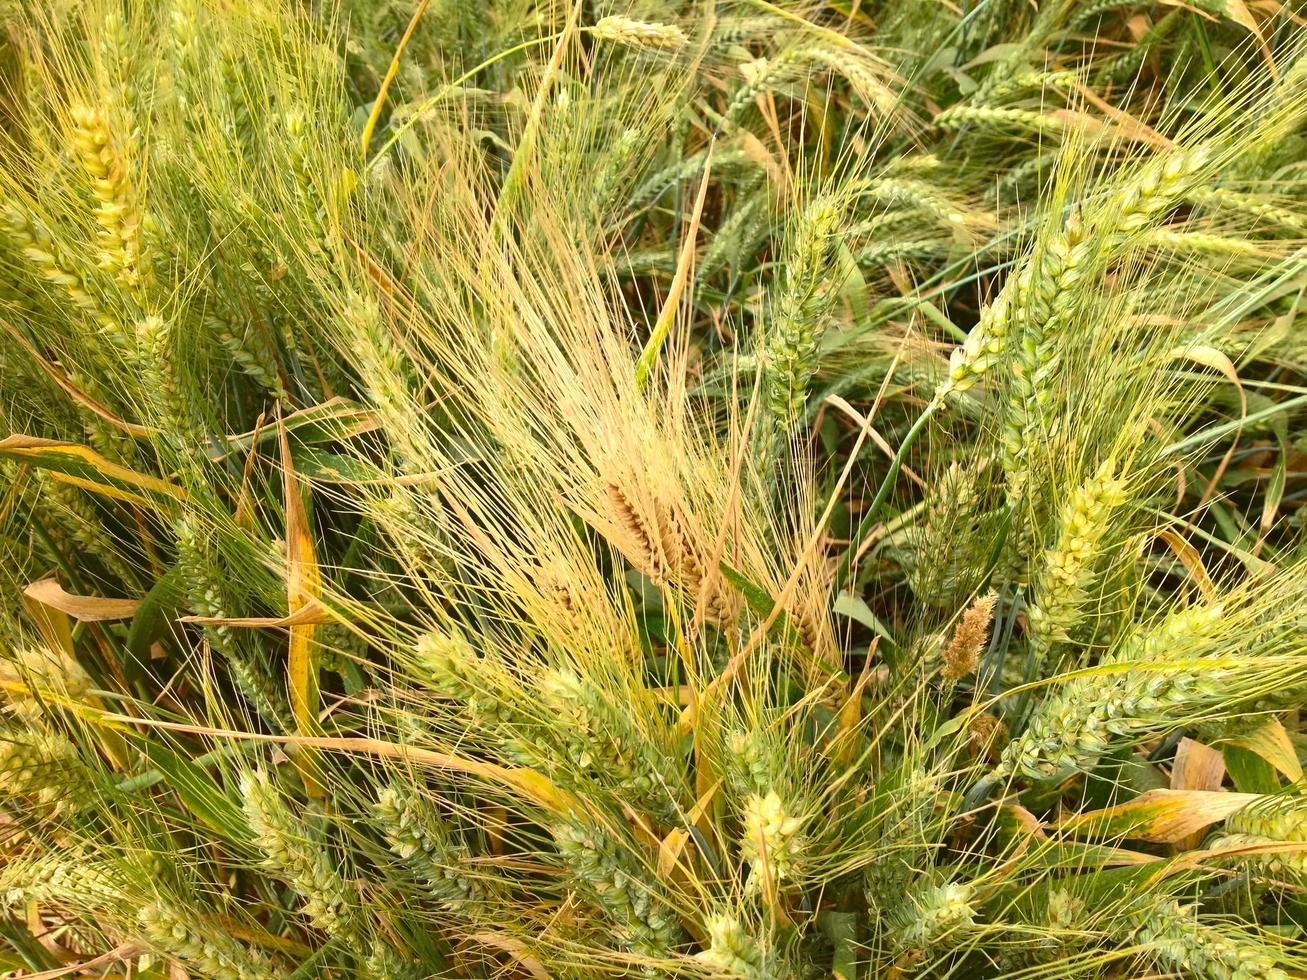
x: 384, y: 963
x: 556, y: 583
x: 200, y: 945
x: 978, y: 115
x: 291, y: 852
x: 918, y: 195
x: 739, y: 234
x: 984, y: 347
x: 117, y: 211
x: 1073, y: 726
x: 660, y: 540
x: 731, y: 949
x: 69, y: 513
x: 184, y: 29
x: 933, y: 915
x: 1068, y: 568
x: 420, y: 836
x: 45, y: 668
x: 35, y: 762
x: 1030, y: 172
x: 67, y: 535
x: 1173, y: 936
x: 639, y: 33
x: 617, y: 171
x: 1250, y: 204
x: 725, y: 161
x: 862, y: 74
x: 638, y: 539
x: 949, y: 548
x: 598, y: 733
x: 759, y: 75
x: 66, y: 879
x: 247, y: 349
x: 1047, y: 293
x: 452, y: 664
x: 643, y: 916
x: 1040, y: 80
x: 203, y: 581
x: 381, y: 362
x: 1092, y: 11
x: 1161, y: 184
x: 1196, y: 241
x: 1290, y: 864
x: 747, y: 763
x: 485, y: 691
x: 771, y: 841
x: 52, y: 263
x: 1281, y: 817
x: 155, y: 336
x: 1056, y: 931
x: 800, y: 310
x: 886, y: 252
x: 683, y: 539
x: 730, y: 28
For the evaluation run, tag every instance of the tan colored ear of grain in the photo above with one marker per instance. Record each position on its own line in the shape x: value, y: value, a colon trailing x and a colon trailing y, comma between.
x: 969, y: 639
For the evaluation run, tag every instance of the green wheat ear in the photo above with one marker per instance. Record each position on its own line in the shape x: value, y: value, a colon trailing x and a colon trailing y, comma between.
x: 800, y: 309
x: 177, y: 933
x: 291, y: 851
x: 423, y: 840
x: 1066, y: 574
x: 1174, y: 937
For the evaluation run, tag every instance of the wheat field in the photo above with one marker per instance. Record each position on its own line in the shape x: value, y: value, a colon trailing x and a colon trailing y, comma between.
x: 617, y: 488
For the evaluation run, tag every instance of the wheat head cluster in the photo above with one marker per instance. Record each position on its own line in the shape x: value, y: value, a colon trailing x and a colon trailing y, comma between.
x: 752, y: 489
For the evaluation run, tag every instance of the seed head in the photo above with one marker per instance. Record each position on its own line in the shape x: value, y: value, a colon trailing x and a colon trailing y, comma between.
x: 770, y: 840
x: 639, y: 33
x: 969, y: 639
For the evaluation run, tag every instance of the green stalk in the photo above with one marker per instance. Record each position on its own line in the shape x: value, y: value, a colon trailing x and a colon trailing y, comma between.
x: 887, y: 484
